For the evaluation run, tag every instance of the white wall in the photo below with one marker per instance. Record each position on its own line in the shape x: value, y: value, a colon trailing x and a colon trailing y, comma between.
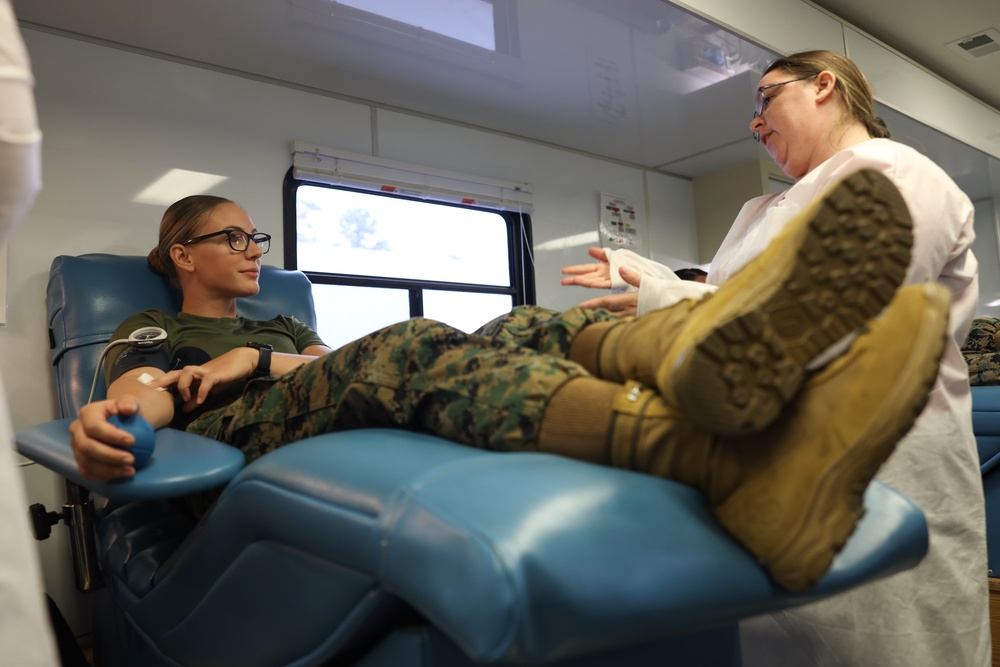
x: 987, y: 250
x: 114, y: 121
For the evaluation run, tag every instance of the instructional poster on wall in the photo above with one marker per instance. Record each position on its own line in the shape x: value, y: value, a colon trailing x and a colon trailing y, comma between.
x: 619, y: 227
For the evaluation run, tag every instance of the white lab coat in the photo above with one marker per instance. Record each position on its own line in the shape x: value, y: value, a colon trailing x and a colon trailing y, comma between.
x: 25, y: 633
x: 936, y: 613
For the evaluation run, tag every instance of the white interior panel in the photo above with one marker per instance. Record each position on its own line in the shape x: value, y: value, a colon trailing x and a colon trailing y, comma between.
x: 987, y: 250
x: 673, y: 234
x: 918, y: 94
x: 786, y: 26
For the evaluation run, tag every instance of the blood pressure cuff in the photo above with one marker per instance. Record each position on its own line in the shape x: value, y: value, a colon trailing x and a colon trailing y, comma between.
x: 137, y: 357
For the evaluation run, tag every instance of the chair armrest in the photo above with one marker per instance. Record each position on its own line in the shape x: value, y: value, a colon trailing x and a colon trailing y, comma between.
x: 182, y: 463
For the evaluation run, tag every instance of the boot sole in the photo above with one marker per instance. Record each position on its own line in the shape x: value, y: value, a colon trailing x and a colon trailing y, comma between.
x: 833, y: 511
x: 777, y: 314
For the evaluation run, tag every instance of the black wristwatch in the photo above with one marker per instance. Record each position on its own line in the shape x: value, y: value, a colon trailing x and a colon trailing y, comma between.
x: 263, y: 369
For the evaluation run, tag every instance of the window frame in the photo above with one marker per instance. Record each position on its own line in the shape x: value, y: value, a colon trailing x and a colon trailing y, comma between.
x: 519, y: 251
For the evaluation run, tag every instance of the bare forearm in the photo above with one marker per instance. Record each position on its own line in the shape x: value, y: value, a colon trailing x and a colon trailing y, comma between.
x: 281, y: 362
x: 155, y: 405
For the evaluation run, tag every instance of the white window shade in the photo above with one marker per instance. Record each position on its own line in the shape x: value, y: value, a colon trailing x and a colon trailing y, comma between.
x: 335, y: 167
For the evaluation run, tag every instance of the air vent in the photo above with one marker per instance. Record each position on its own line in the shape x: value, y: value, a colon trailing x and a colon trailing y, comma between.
x: 978, y: 45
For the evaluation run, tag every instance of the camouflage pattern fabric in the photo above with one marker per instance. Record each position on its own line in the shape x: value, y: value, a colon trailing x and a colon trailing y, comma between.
x: 981, y: 351
x: 541, y: 329
x: 488, y: 389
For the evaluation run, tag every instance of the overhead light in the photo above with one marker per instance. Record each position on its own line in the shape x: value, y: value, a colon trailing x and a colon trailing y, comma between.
x: 177, y: 184
x: 470, y: 21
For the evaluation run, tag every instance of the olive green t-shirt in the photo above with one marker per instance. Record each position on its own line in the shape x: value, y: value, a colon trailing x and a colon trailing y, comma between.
x: 192, y: 339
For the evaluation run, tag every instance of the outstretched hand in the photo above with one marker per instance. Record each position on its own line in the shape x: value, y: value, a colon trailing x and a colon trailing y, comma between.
x: 625, y: 304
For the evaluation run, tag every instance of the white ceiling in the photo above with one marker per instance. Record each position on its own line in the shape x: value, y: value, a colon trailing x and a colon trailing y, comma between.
x: 616, y: 78
x: 922, y: 29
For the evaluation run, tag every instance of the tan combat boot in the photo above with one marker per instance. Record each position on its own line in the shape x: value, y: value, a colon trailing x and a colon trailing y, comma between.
x: 734, y: 360
x: 802, y: 479
x: 792, y: 494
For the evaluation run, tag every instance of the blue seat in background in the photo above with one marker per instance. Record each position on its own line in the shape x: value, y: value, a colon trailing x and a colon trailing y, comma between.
x: 986, y: 426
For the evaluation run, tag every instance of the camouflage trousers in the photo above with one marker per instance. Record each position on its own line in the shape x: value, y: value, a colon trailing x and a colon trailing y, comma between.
x: 981, y: 353
x: 488, y: 389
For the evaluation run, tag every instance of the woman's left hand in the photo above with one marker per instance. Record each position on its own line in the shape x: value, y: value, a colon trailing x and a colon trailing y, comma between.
x: 196, y: 383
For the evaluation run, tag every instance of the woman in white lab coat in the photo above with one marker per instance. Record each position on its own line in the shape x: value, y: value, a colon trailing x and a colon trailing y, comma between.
x: 814, y: 115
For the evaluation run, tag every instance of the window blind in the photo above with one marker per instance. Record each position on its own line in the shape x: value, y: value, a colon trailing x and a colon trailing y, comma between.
x: 335, y: 167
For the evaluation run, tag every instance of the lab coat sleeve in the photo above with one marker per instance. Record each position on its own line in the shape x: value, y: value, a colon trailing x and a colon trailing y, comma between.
x: 659, y: 287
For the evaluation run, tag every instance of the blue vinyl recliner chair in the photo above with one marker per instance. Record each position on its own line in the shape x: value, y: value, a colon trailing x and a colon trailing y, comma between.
x: 398, y: 549
x: 986, y: 426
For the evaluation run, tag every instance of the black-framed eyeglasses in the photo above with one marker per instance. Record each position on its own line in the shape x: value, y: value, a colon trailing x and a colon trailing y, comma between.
x: 761, y: 103
x: 238, y: 239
